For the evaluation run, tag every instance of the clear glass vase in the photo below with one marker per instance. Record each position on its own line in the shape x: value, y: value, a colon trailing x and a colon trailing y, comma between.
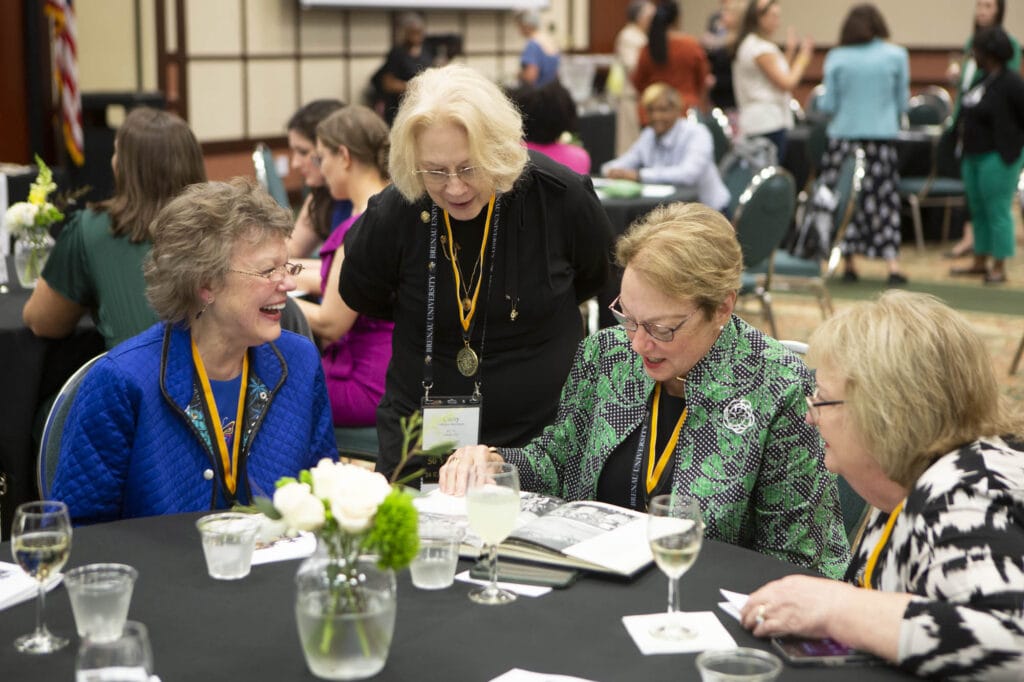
x: 30, y: 254
x: 345, y: 611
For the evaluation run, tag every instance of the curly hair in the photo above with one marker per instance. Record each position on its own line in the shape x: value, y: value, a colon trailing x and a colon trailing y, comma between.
x: 195, y: 235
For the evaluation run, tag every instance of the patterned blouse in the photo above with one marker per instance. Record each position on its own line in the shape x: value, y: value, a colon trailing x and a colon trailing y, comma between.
x: 744, y: 451
x: 959, y: 544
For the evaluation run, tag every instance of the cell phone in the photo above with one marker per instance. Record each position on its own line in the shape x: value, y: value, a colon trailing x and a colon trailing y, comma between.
x: 801, y: 651
x: 526, y: 574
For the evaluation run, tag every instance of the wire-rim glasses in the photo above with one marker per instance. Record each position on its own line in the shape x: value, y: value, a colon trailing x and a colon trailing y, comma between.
x: 814, y: 403
x: 275, y: 275
x: 658, y: 332
x: 440, y: 178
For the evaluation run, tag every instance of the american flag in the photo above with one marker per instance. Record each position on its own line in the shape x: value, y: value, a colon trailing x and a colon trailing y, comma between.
x: 65, y: 63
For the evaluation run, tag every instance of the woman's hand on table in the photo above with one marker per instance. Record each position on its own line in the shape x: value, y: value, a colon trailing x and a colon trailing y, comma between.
x: 454, y: 475
x: 795, y: 605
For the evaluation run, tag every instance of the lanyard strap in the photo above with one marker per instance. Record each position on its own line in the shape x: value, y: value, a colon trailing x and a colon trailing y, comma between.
x: 655, y: 471
x: 229, y: 464
x: 466, y: 317
x: 494, y: 208
x: 869, y: 568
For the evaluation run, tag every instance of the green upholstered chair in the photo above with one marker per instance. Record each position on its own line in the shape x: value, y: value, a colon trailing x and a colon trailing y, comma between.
x: 266, y: 175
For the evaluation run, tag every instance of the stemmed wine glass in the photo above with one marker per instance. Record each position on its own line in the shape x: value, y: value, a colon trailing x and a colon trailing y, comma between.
x: 492, y: 501
x: 41, y: 543
x: 675, y: 530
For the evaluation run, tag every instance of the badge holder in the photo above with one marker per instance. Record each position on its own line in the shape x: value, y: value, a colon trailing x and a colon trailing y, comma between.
x: 453, y: 420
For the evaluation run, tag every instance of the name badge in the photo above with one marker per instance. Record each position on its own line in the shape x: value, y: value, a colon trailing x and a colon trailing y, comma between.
x: 454, y: 420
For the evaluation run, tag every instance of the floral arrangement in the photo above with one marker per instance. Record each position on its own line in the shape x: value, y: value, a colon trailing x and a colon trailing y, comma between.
x: 30, y: 220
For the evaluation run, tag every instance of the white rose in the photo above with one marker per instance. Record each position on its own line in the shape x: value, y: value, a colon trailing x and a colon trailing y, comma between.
x: 300, y: 509
x: 327, y: 478
x: 355, y: 501
x: 19, y: 216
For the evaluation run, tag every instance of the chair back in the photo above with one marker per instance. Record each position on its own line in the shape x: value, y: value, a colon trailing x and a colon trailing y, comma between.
x: 846, y: 191
x: 853, y: 508
x: 764, y: 214
x: 53, y: 430
x: 266, y: 175
x: 718, y: 124
x: 939, y: 97
x: 812, y: 105
x: 924, y: 111
x: 946, y: 163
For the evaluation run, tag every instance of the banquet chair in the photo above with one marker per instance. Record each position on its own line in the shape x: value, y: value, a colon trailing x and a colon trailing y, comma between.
x: 737, y: 172
x: 812, y: 105
x: 941, y: 187
x: 925, y: 111
x: 721, y: 131
x: 357, y: 442
x: 786, y: 272
x: 53, y: 430
x: 266, y: 174
x: 763, y: 216
x: 1016, y: 357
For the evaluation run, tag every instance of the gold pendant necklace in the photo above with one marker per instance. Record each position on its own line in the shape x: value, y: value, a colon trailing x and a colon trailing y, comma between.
x: 467, y: 361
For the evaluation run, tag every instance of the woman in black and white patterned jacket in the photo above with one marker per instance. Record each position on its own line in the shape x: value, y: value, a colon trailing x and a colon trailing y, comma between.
x: 910, y: 411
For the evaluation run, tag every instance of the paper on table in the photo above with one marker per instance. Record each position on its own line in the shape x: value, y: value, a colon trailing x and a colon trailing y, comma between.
x: 657, y: 191
x: 617, y: 549
x: 520, y: 675
x: 283, y: 549
x: 17, y: 586
x: 711, y: 634
x: 525, y: 590
x: 733, y: 604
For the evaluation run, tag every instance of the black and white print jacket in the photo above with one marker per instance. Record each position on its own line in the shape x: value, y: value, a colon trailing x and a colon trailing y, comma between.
x: 959, y: 545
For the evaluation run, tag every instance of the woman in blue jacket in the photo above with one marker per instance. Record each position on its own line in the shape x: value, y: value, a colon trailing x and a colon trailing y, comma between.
x: 209, y: 407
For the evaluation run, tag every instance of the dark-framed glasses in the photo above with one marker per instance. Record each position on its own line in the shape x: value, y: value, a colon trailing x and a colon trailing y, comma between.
x: 658, y: 332
x: 275, y: 275
x: 814, y: 402
x: 440, y: 178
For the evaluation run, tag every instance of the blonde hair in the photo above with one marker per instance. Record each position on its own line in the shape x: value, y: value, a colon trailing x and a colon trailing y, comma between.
x: 195, y: 235
x: 656, y: 92
x: 687, y: 251
x: 458, y: 95
x: 919, y: 382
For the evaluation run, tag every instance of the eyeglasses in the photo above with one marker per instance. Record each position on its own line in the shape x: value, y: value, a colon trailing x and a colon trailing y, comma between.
x: 658, y: 332
x: 439, y: 178
x: 274, y: 275
x: 813, y: 403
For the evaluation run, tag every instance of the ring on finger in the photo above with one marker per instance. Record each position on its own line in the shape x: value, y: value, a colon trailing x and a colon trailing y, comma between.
x: 761, y: 614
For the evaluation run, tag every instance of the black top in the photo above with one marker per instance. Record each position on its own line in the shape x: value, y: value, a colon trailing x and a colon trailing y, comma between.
x: 615, y: 484
x: 403, y: 66
x: 996, y: 121
x: 552, y: 253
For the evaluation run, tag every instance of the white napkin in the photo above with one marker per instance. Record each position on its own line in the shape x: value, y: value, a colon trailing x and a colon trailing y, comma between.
x: 525, y: 590
x: 711, y: 634
x: 17, y: 586
x: 285, y: 548
x: 520, y: 675
x: 733, y: 604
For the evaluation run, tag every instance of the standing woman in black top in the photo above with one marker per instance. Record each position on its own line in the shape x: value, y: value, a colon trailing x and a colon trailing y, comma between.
x: 991, y: 122
x: 480, y: 252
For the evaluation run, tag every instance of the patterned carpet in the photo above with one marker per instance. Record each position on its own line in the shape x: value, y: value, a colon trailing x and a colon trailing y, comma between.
x: 996, y: 312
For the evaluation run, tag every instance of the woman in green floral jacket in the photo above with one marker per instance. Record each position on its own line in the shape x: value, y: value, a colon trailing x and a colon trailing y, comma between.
x: 685, y: 396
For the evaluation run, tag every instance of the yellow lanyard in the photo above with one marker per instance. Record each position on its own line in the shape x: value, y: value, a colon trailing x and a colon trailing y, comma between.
x: 228, y: 463
x: 654, y: 472
x: 869, y: 568
x: 466, y: 318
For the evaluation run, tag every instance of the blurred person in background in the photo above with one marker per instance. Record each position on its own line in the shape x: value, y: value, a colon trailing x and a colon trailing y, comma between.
x: 672, y: 57
x: 549, y: 113
x: 538, y: 64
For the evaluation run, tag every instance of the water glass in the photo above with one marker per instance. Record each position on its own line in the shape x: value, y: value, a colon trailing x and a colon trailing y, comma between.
x: 127, y: 658
x: 434, y: 565
x: 228, y: 541
x: 100, y: 595
x: 741, y: 664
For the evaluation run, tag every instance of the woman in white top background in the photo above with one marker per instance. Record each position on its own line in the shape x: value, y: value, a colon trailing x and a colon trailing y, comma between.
x: 763, y: 76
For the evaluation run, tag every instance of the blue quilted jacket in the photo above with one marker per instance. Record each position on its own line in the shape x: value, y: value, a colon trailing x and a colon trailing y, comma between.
x: 136, y: 444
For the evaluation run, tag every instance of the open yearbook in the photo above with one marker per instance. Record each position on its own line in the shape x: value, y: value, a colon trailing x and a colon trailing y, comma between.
x: 593, y: 536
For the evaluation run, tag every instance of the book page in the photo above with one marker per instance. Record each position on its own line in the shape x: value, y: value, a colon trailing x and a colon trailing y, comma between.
x: 573, y: 523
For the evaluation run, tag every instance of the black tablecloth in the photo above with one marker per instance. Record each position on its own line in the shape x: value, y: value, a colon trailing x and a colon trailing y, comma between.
x: 621, y: 214
x: 202, y: 629
x: 32, y: 370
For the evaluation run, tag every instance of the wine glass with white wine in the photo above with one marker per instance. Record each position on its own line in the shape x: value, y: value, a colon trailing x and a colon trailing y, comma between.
x: 492, y: 501
x: 41, y: 543
x: 675, y: 530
